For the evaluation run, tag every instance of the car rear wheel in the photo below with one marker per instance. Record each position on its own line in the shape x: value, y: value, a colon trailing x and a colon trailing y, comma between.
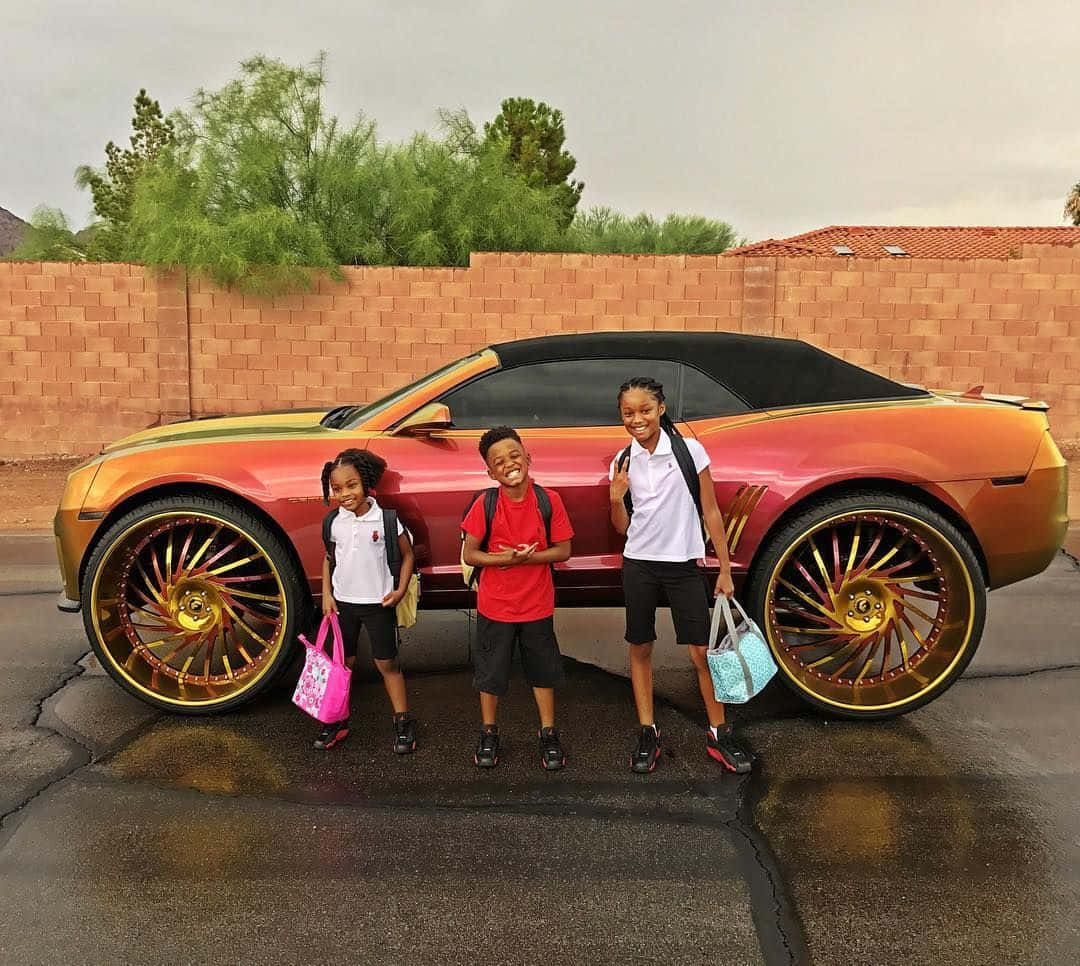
x: 872, y: 603
x: 191, y: 603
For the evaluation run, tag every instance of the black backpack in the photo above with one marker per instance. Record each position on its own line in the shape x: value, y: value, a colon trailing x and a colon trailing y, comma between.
x: 681, y: 452
x: 393, y: 551
x: 491, y: 501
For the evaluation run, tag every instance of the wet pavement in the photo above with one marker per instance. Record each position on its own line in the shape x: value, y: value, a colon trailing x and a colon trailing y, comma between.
x: 949, y: 836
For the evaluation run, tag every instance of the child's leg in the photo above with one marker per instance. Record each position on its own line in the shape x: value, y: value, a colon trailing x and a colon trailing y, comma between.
x: 689, y: 600
x: 394, y: 682
x: 489, y: 708
x: 641, y: 680
x: 545, y: 705
x: 382, y: 631
x: 491, y: 664
x: 714, y: 710
x: 543, y: 665
x: 641, y: 590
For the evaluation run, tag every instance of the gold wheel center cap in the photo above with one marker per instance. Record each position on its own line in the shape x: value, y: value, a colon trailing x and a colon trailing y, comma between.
x: 863, y: 605
x: 195, y: 606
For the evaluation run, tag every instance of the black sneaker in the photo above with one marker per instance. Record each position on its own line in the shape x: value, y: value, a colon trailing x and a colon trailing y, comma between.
x: 725, y: 749
x: 331, y: 735
x: 487, y: 749
x: 404, y: 734
x: 551, y: 753
x: 647, y: 753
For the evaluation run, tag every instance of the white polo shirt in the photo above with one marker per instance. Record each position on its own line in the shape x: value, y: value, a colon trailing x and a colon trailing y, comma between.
x: 665, y: 524
x: 361, y: 573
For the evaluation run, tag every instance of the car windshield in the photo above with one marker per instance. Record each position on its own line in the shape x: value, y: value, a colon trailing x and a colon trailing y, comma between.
x: 356, y: 415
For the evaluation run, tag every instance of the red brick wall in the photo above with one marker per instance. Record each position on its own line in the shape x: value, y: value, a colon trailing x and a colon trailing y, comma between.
x: 91, y: 352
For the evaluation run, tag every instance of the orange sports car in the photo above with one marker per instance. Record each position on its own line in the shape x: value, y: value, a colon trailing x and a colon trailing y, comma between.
x: 866, y: 519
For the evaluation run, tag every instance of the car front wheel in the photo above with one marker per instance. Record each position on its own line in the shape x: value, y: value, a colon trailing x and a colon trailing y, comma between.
x: 872, y: 603
x: 190, y: 603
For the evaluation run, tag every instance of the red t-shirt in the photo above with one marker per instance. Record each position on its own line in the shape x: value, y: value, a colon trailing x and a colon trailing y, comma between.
x: 524, y: 592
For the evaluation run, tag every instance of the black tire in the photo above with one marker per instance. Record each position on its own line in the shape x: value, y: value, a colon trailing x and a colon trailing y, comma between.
x: 173, y: 528
x: 955, y: 587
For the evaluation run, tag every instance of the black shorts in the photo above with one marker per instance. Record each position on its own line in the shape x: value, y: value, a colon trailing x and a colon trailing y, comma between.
x: 381, y: 624
x: 494, y: 652
x: 683, y: 583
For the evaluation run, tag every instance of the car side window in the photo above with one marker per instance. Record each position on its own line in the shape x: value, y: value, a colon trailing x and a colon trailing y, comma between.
x: 573, y: 392
x: 705, y: 398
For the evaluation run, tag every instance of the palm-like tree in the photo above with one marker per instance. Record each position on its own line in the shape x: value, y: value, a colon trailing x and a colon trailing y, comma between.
x: 1072, y: 204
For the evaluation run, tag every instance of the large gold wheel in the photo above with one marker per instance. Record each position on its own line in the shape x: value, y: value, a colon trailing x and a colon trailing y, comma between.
x: 872, y: 605
x: 191, y: 604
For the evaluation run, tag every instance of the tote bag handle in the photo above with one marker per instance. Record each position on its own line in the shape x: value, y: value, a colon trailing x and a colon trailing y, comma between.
x: 329, y: 622
x: 722, y: 608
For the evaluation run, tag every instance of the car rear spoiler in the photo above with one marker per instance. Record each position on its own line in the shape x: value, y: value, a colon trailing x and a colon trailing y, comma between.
x: 1021, y: 402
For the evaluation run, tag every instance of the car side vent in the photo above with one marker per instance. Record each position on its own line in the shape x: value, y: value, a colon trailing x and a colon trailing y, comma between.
x: 1007, y: 480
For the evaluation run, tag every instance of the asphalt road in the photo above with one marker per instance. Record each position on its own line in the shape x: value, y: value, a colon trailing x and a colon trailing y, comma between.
x: 949, y: 836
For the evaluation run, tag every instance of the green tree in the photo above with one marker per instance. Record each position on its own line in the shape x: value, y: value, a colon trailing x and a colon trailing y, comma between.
x: 604, y: 231
x: 49, y: 238
x: 1072, y: 204
x: 113, y: 190
x: 533, y: 135
x: 262, y: 187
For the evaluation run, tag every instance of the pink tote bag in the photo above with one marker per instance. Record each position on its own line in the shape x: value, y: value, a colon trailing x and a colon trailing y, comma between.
x: 323, y: 688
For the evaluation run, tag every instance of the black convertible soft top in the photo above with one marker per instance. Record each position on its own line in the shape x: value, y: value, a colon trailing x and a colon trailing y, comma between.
x: 766, y: 372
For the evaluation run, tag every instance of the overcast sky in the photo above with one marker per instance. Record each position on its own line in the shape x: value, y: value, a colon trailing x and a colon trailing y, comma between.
x: 778, y: 117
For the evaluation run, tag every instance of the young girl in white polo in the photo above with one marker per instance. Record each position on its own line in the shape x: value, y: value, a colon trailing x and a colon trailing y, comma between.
x: 664, y: 543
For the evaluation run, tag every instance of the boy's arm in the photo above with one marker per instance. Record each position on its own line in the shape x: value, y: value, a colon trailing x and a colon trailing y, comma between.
x: 556, y: 553
x: 714, y: 522
x: 475, y: 557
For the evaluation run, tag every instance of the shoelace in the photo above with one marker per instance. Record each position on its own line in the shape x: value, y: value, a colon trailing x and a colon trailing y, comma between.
x: 487, y: 742
x: 549, y: 742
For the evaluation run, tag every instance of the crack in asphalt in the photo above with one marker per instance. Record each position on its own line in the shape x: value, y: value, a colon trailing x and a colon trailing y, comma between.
x: 1019, y: 674
x: 781, y: 937
x: 81, y: 755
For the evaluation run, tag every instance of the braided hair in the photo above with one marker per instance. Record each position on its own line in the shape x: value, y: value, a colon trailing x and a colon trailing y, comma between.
x: 368, y: 466
x: 654, y: 389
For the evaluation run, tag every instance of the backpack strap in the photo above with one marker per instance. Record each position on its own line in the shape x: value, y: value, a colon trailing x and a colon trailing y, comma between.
x: 543, y: 502
x: 328, y: 538
x: 681, y: 452
x: 393, y: 550
x: 621, y: 462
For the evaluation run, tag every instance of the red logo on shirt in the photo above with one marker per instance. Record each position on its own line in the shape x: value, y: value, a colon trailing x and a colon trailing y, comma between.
x: 374, y: 536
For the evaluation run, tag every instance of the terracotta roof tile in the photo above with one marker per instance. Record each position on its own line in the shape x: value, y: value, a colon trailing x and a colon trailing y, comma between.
x: 919, y: 242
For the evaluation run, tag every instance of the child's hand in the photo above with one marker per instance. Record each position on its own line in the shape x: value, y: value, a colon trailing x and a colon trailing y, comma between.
x: 393, y: 598
x: 519, y: 554
x: 725, y: 585
x: 620, y: 484
x: 329, y: 605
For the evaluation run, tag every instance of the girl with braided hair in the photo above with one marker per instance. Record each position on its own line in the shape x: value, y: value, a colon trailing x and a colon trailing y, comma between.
x: 358, y: 585
x: 661, y: 492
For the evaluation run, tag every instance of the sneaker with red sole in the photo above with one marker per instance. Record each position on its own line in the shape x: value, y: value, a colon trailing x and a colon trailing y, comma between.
x: 404, y: 734
x: 552, y: 757
x: 725, y: 749
x: 332, y: 734
x: 648, y: 750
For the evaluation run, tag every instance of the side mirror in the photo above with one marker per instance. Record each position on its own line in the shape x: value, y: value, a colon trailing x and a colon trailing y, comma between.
x: 427, y: 419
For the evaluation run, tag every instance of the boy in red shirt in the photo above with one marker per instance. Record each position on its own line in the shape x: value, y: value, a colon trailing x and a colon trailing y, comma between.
x: 515, y: 597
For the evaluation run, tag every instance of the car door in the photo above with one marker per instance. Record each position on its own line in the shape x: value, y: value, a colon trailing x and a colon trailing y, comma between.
x: 567, y: 415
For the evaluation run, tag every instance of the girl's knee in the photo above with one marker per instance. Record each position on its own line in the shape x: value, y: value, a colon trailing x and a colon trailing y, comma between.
x: 641, y: 652
x: 697, y: 656
x: 387, y: 667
